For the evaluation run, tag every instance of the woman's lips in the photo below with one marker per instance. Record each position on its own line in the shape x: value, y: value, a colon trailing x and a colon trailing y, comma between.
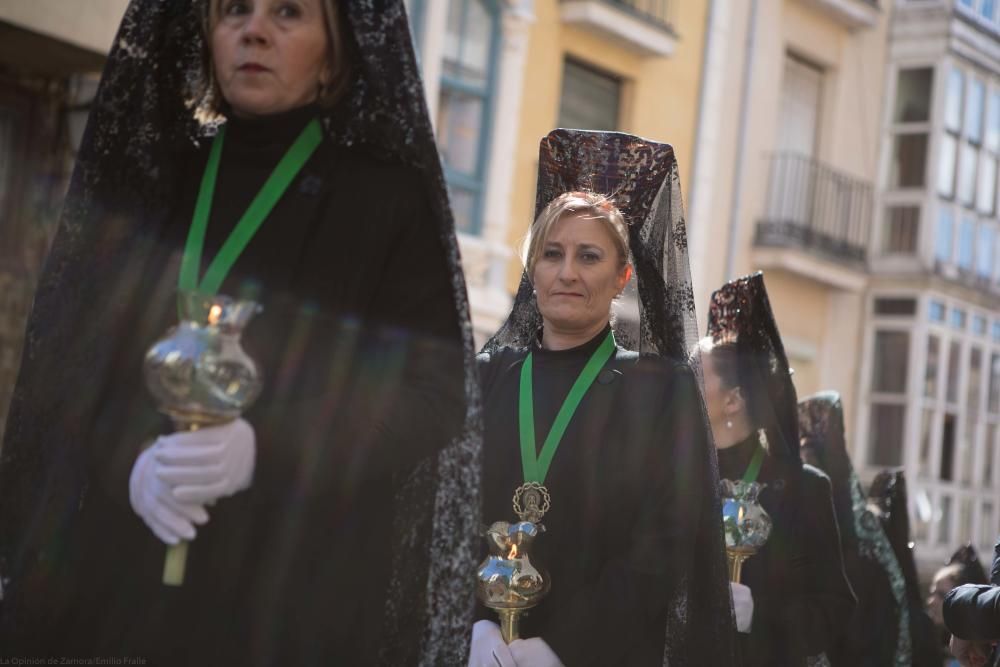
x: 252, y: 67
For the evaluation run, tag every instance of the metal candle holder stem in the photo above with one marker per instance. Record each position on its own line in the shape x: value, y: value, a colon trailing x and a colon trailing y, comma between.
x: 200, y: 376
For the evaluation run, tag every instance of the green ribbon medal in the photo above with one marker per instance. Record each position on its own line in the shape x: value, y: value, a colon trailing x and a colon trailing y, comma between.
x: 261, y: 206
x: 753, y: 470
x: 531, y: 499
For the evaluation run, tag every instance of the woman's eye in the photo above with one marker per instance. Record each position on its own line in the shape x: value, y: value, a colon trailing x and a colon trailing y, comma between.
x: 590, y: 257
x: 235, y: 8
x: 551, y: 253
x: 289, y: 10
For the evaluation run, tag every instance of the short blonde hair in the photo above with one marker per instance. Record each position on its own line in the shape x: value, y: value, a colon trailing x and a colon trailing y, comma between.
x: 597, y: 206
x: 338, y: 65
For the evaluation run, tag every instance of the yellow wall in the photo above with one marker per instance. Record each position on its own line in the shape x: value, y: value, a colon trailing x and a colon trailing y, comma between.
x: 660, y: 96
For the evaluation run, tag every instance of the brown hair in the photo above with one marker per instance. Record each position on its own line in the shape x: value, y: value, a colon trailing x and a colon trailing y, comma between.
x: 210, y: 95
x: 596, y: 205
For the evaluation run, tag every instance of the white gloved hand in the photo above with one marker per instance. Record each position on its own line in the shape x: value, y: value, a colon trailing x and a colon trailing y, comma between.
x: 210, y: 463
x: 488, y: 647
x: 742, y: 605
x: 153, y: 500
x: 533, y: 652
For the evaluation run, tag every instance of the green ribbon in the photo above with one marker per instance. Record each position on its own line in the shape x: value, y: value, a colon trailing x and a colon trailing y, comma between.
x: 753, y: 470
x: 261, y: 206
x: 536, y: 465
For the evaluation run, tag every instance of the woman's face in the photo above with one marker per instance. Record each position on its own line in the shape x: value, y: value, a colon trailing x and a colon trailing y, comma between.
x: 715, y: 395
x: 577, y: 274
x: 269, y: 55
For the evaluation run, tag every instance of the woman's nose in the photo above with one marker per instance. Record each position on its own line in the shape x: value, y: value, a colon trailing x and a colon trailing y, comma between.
x: 567, y: 270
x: 255, y: 28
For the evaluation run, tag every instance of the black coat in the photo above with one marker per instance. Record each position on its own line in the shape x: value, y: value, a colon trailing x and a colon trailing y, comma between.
x: 802, y: 599
x: 360, y: 345
x: 626, y: 497
x: 972, y: 611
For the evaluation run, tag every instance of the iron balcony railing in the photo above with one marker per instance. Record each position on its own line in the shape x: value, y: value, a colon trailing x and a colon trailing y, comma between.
x: 660, y: 12
x: 812, y: 206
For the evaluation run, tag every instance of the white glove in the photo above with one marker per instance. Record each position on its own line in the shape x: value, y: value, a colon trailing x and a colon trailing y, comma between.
x: 151, y: 498
x: 742, y: 605
x: 488, y: 647
x: 210, y: 463
x: 533, y: 652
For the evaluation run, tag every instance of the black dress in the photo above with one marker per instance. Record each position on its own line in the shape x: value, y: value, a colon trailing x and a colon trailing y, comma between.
x: 626, y: 496
x: 360, y: 345
x: 802, y: 600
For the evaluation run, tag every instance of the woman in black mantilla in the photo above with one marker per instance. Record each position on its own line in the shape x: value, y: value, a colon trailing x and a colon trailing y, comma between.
x: 887, y: 500
x: 314, y: 519
x: 631, y: 543
x: 878, y: 634
x: 794, y: 599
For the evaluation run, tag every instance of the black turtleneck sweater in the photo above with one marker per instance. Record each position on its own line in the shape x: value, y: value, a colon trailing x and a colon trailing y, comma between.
x: 361, y: 351
x: 625, y: 496
x: 802, y: 599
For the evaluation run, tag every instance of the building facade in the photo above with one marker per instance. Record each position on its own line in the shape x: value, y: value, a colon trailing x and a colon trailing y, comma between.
x: 930, y: 380
x: 500, y: 74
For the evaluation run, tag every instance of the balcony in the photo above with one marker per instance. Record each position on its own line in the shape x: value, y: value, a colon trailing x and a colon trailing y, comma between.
x: 852, y: 14
x: 816, y: 210
x: 645, y: 27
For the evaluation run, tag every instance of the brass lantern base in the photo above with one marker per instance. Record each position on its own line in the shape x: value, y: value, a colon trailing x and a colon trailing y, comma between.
x: 736, y: 557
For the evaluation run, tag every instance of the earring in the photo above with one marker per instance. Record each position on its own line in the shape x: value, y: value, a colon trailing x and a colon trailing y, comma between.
x: 729, y: 423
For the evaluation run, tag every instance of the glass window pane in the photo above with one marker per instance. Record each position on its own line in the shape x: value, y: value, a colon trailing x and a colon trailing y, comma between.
x: 979, y: 325
x: 954, y: 354
x: 945, y: 235
x: 965, y: 521
x: 992, y: 139
x: 987, y: 184
x: 468, y: 38
x: 975, y: 384
x: 926, y: 435
x: 460, y: 117
x: 947, y: 448
x: 953, y: 100
x: 986, y: 245
x: 463, y: 205
x: 987, y: 527
x: 936, y: 311
x: 886, y: 435
x: 892, y: 350
x: 897, y: 306
x: 590, y: 99
x: 967, y: 174
x: 946, y: 165
x: 986, y: 8
x: 958, y: 319
x: 944, y: 520
x: 913, y: 95
x: 989, y: 452
x: 909, y: 161
x: 902, y: 227
x: 974, y: 111
x: 933, y: 366
x: 993, y: 400
x: 966, y: 243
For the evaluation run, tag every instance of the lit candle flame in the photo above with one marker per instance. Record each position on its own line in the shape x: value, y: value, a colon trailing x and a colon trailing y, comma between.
x: 513, y: 552
x: 214, y: 314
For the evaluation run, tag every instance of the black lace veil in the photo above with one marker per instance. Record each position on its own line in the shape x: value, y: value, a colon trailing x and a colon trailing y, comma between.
x: 642, y: 179
x: 126, y: 173
x: 740, y: 313
x: 821, y: 426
